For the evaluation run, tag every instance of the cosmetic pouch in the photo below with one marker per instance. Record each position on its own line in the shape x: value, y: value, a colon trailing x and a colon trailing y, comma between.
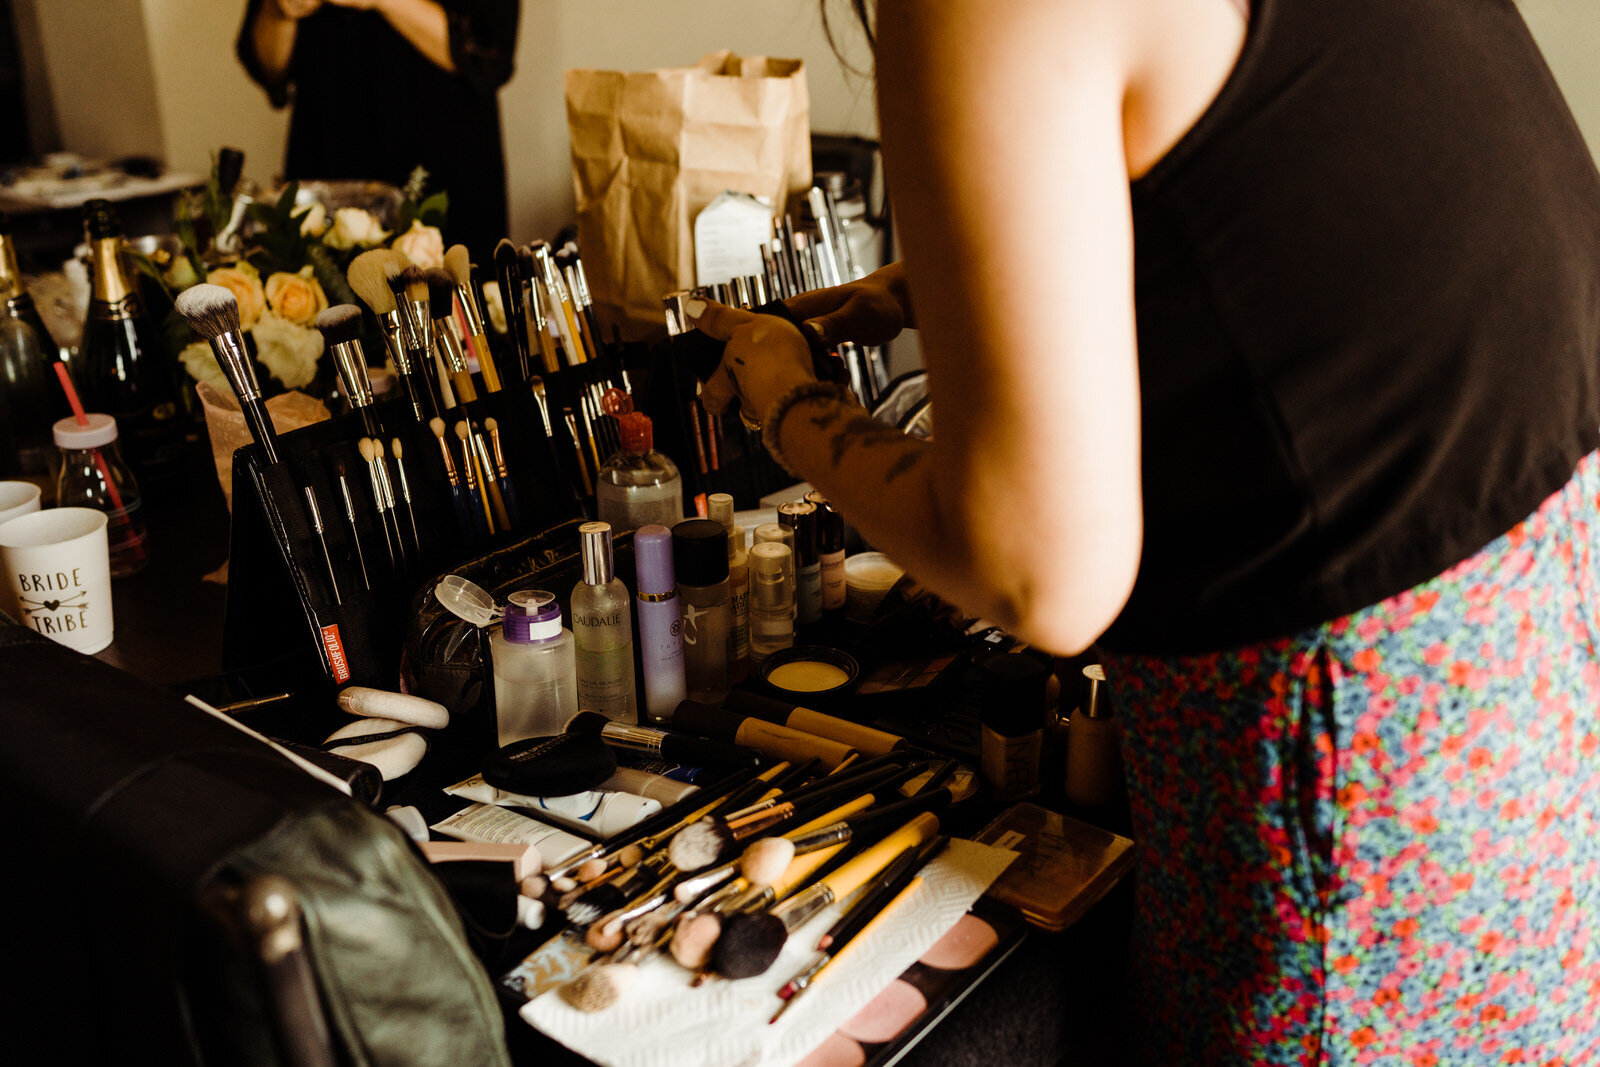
x: 446, y: 658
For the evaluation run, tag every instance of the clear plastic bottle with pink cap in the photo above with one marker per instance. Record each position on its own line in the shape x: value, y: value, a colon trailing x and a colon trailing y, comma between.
x: 638, y: 486
x: 94, y: 475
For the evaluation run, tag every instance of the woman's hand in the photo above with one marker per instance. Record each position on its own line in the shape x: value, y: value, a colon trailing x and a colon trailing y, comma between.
x: 295, y: 10
x: 869, y: 311
x: 765, y: 357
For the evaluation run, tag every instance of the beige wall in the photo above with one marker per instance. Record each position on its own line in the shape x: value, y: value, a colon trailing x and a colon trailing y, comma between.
x: 183, y: 95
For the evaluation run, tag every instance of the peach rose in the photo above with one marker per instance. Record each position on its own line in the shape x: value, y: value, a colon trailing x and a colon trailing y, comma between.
x: 422, y: 245
x: 244, y: 282
x: 296, y: 298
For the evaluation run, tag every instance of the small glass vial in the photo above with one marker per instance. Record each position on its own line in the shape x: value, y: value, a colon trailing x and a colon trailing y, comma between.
x: 535, y: 669
x: 771, y: 599
x: 719, y: 506
x: 638, y: 486
x: 602, y: 630
x: 660, y: 623
x: 1012, y: 710
x: 801, y: 517
x: 700, y: 557
x: 93, y: 475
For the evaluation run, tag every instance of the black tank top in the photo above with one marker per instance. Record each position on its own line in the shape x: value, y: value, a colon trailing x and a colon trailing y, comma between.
x: 1368, y: 298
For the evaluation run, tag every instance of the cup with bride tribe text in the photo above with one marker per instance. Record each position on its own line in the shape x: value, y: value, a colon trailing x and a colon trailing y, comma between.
x: 17, y: 498
x: 58, y: 575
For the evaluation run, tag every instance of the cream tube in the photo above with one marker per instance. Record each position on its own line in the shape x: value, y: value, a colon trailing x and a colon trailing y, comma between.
x: 601, y: 812
x: 484, y: 822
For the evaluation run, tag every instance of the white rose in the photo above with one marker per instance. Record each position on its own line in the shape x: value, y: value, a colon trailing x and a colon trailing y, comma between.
x: 422, y: 245
x: 201, y: 363
x: 290, y: 352
x: 313, y: 222
x: 353, y: 227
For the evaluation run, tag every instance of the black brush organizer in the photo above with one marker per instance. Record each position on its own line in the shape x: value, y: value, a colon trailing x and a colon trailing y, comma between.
x: 281, y: 607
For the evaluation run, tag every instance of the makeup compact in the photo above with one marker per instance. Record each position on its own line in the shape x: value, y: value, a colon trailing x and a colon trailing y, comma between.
x: 1063, y: 866
x: 810, y: 673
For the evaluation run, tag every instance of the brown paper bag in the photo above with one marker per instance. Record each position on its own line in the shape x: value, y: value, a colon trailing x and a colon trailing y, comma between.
x: 226, y: 426
x: 651, y: 149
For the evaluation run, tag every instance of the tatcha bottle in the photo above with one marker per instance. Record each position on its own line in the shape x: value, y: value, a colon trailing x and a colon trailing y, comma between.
x: 801, y: 517
x: 535, y: 676
x: 771, y: 599
x: 719, y: 506
x: 700, y: 557
x: 602, y: 630
x: 660, y: 623
x: 638, y: 486
x: 830, y: 552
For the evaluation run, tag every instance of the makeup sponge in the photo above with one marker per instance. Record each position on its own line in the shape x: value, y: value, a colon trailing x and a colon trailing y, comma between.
x: 393, y: 755
x: 380, y: 704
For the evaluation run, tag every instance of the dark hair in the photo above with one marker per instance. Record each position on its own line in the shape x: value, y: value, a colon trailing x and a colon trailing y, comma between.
x: 862, y: 9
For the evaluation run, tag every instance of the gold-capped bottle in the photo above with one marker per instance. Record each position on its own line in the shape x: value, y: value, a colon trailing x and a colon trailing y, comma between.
x: 123, y: 368
x: 31, y: 399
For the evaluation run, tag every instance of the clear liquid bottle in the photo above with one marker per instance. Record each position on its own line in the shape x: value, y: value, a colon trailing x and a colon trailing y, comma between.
x: 123, y: 368
x: 602, y: 630
x: 638, y: 486
x: 700, y: 557
x: 535, y: 668
x: 93, y: 475
x: 771, y: 599
x: 719, y: 506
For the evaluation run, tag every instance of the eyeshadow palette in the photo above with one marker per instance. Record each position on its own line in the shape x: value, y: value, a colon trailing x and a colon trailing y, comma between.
x: 910, y: 1006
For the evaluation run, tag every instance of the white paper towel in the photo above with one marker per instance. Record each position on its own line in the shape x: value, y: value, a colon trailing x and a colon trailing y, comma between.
x: 664, y: 1022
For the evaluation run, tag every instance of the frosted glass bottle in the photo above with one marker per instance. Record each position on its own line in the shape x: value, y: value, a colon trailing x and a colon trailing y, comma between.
x: 719, y: 506
x: 700, y: 559
x: 602, y: 630
x: 660, y: 623
x: 638, y: 486
x: 535, y: 669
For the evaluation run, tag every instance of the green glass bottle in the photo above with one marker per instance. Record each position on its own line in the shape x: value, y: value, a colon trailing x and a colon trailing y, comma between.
x: 123, y: 369
x: 31, y: 398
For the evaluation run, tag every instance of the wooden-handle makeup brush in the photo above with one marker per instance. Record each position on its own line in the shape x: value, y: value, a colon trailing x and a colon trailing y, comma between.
x: 213, y: 312
x: 340, y: 327
x: 405, y: 494
x: 458, y: 493
x: 391, y: 502
x: 539, y: 324
x: 458, y: 264
x: 369, y: 275
x: 508, y: 488
x: 469, y: 470
x: 446, y: 339
x: 560, y: 303
x: 369, y: 452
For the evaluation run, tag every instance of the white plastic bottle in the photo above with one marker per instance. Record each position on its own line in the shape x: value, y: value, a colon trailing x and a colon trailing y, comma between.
x: 602, y: 630
x: 638, y: 486
x: 535, y: 675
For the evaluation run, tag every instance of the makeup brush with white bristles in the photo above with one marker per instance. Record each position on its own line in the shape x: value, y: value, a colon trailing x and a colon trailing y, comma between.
x: 458, y: 265
x: 368, y: 275
x: 213, y: 312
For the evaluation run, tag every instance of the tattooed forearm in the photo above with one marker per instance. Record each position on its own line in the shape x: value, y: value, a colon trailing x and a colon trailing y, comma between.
x: 868, y: 433
x: 910, y: 459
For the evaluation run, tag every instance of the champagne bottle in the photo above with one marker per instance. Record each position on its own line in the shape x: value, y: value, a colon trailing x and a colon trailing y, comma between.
x: 123, y: 369
x: 31, y: 400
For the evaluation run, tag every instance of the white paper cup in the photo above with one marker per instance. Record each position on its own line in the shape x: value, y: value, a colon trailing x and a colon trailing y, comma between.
x: 17, y: 498
x: 58, y: 575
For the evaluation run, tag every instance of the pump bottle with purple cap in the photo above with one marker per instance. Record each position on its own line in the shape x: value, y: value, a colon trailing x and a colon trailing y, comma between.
x: 535, y: 668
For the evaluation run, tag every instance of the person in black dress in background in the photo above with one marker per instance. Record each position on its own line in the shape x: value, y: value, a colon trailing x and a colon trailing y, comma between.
x: 382, y: 86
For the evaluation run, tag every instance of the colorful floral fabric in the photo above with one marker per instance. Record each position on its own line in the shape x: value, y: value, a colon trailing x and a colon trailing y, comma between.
x: 1376, y: 841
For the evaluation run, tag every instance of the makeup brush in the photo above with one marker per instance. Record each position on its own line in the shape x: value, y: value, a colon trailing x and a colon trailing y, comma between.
x: 750, y: 942
x: 701, y: 844
x: 561, y: 312
x: 446, y: 334
x: 880, y: 901
x: 369, y: 453
x: 487, y: 477
x: 614, y: 895
x: 539, y: 323
x: 340, y: 327
x: 674, y: 748
x: 410, y: 294
x: 508, y: 272
x: 458, y: 495
x: 458, y: 265
x: 314, y: 513
x: 369, y: 275
x: 213, y: 313
x: 405, y: 494
x: 390, y: 501
x: 469, y: 470
x: 350, y: 517
x: 597, y: 988
x: 508, y: 490
x: 664, y: 823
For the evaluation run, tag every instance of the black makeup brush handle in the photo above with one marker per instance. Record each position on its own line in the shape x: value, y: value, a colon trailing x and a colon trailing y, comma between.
x: 260, y: 424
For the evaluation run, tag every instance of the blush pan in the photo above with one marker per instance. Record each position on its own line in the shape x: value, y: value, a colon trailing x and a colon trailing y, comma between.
x: 837, y: 1051
x: 887, y: 1014
x: 967, y: 942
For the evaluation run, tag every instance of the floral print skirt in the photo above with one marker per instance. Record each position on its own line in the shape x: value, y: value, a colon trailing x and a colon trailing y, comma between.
x: 1376, y: 841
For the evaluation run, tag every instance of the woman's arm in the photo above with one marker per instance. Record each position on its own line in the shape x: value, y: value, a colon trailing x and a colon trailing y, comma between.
x: 271, y: 37
x: 1002, y: 131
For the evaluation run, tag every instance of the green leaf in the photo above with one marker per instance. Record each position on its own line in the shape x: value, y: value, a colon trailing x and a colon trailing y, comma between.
x: 434, y: 209
x: 329, y: 276
x: 286, y: 202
